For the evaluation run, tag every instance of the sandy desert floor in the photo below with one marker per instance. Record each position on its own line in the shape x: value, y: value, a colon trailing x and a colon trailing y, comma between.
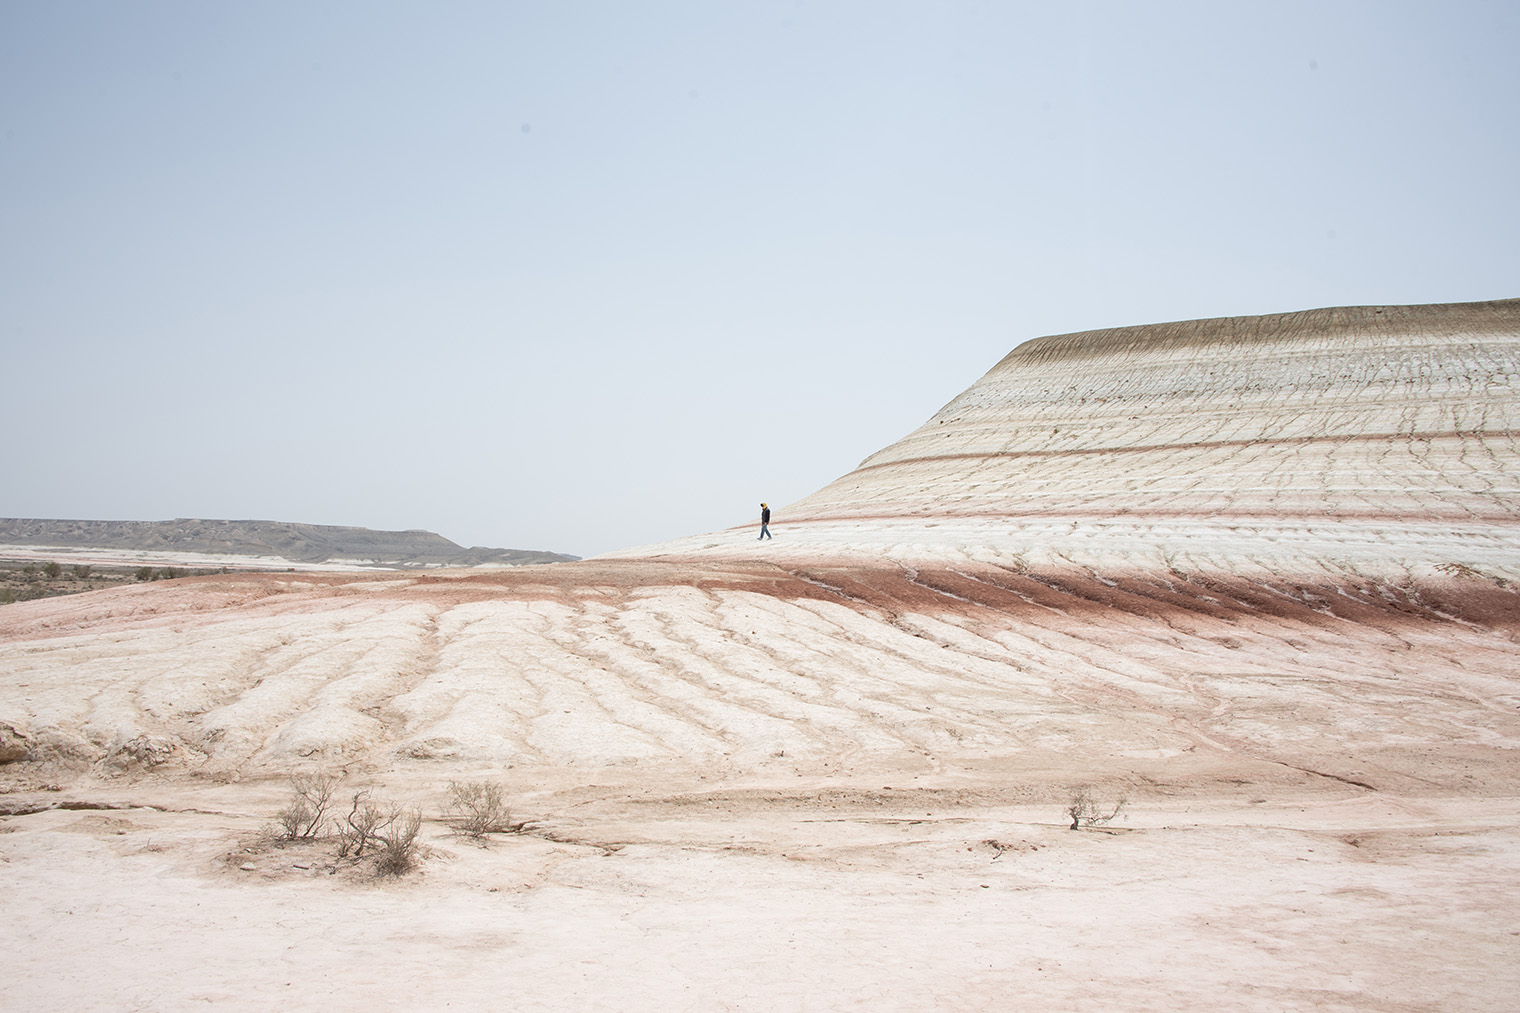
x: 801, y: 896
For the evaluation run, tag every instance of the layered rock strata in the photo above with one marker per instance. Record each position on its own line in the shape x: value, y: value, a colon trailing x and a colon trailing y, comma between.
x: 1373, y: 440
x: 748, y: 669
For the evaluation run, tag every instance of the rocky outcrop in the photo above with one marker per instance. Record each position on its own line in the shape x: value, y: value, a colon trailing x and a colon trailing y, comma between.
x: 14, y: 746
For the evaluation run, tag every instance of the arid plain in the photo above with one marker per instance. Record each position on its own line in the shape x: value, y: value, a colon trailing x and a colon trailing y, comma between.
x: 1257, y: 577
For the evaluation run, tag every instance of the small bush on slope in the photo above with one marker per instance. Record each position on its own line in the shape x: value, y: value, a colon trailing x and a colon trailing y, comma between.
x: 477, y: 808
x: 311, y: 795
x: 400, y: 852
x: 1085, y: 810
x: 388, y: 831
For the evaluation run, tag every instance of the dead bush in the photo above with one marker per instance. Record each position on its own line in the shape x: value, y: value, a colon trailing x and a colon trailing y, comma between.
x: 387, y: 831
x: 311, y: 797
x: 1085, y: 810
x: 399, y: 839
x: 381, y: 833
x: 361, y: 828
x: 477, y: 808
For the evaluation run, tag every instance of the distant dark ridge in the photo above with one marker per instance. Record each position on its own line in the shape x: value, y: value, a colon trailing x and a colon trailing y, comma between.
x: 1500, y: 316
x: 301, y: 543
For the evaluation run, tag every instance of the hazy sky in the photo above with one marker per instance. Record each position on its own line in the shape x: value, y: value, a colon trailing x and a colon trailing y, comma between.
x: 580, y: 276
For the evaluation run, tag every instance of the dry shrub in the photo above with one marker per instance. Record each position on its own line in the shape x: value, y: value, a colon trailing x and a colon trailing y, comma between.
x: 477, y: 809
x: 400, y: 851
x: 361, y: 828
x: 1085, y: 810
x: 386, y: 830
x: 311, y: 796
x: 383, y: 832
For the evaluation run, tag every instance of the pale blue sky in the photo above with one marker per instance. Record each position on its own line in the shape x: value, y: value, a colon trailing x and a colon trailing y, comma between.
x: 583, y: 276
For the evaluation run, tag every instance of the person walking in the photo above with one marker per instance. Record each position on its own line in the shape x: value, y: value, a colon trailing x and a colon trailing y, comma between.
x: 765, y: 521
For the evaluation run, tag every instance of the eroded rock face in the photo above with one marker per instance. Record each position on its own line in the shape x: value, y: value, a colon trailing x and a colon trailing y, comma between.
x: 13, y: 745
x: 749, y: 669
x: 1274, y: 547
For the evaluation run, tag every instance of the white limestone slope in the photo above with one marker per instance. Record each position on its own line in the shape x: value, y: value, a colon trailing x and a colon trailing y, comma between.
x: 1364, y: 439
x: 836, y: 670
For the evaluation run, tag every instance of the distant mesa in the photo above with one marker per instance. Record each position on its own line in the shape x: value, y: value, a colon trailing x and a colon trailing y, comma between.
x: 262, y: 541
